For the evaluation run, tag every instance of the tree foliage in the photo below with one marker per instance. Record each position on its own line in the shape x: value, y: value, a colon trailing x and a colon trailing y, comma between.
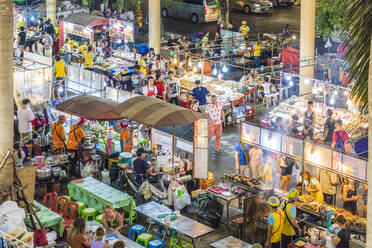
x: 330, y: 15
x: 358, y: 30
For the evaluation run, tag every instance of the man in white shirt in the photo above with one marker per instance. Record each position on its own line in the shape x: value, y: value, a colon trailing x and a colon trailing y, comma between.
x: 216, y: 117
x: 25, y: 117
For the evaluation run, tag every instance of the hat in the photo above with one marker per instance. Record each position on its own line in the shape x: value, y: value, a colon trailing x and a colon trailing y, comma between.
x: 293, y: 193
x: 62, y: 117
x: 81, y: 121
x: 273, y: 201
x: 244, y: 22
x: 124, y: 124
x: 197, y: 82
x: 25, y: 101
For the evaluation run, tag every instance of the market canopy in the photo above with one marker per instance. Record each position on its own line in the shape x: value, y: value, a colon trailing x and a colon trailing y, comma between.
x: 155, y: 112
x: 84, y: 19
x: 90, y: 108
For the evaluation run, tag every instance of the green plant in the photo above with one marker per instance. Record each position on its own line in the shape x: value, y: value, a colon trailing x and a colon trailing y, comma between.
x: 358, y: 30
x: 330, y: 15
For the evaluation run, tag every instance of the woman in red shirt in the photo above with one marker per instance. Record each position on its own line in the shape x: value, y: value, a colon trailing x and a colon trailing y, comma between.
x: 159, y: 84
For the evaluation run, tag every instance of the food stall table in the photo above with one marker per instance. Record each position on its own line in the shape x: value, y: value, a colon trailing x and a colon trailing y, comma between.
x: 49, y: 219
x: 181, y: 225
x: 128, y: 242
x: 228, y: 199
x: 230, y: 242
x: 97, y: 194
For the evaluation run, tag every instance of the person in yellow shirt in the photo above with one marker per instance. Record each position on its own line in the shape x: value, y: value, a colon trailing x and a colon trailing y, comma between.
x: 290, y: 228
x: 74, y: 137
x: 60, y: 68
x: 88, y: 59
x: 142, y: 63
x: 257, y: 53
x: 59, y: 135
x: 275, y: 224
x: 126, y: 137
x: 205, y: 41
x: 244, y: 29
x: 312, y: 186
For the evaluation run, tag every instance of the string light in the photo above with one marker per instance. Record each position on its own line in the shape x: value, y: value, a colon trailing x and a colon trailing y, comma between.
x: 215, y: 71
x: 224, y: 68
x: 290, y: 83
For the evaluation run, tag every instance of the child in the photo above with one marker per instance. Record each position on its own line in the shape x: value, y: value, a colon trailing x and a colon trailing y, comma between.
x: 99, y: 242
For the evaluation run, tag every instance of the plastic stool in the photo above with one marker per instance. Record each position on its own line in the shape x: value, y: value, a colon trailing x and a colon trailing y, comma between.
x: 89, y: 212
x: 144, y: 239
x: 137, y: 230
x: 99, y: 218
x: 155, y: 244
x: 81, y: 208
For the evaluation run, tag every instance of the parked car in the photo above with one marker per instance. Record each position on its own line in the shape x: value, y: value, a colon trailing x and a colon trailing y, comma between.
x: 194, y: 10
x: 254, y: 6
x: 276, y: 3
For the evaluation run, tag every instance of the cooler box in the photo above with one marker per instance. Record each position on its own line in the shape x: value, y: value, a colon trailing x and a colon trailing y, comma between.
x: 249, y: 113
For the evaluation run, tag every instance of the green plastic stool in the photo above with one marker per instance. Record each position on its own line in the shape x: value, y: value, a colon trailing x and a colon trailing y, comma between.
x: 99, y: 218
x: 89, y: 212
x: 143, y: 239
x: 81, y: 208
x: 127, y: 212
x: 179, y: 243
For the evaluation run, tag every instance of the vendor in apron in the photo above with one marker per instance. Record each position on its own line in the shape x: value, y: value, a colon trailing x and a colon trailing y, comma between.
x: 150, y: 90
x: 126, y: 137
x: 74, y: 137
x: 312, y: 186
x: 275, y: 224
x: 290, y: 226
x: 38, y: 125
x: 59, y: 135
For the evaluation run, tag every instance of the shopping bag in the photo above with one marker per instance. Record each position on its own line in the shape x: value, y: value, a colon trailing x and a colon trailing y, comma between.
x: 183, y: 198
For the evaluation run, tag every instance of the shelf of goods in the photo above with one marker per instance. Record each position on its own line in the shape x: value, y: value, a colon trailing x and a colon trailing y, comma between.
x: 355, y: 124
x: 248, y: 184
x: 116, y: 65
x: 357, y: 223
x: 125, y: 55
x: 226, y: 90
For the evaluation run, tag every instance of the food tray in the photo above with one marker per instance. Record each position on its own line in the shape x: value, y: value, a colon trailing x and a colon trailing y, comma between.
x: 295, y: 241
x: 243, y: 186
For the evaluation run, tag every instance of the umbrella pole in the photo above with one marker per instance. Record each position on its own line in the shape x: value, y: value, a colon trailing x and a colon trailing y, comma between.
x: 173, y: 139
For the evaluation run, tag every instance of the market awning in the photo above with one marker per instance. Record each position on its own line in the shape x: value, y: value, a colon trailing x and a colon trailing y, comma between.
x: 90, y: 108
x: 84, y: 19
x: 155, y: 112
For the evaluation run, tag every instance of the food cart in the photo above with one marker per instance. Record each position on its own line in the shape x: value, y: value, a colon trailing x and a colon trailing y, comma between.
x: 81, y: 27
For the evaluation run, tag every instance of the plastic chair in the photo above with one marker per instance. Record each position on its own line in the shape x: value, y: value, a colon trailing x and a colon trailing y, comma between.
x: 136, y: 230
x: 144, y: 239
x: 67, y: 196
x: 127, y: 212
x: 50, y: 199
x: 81, y: 207
x: 71, y: 213
x: 99, y: 218
x: 61, y: 205
x: 155, y: 244
x: 89, y: 212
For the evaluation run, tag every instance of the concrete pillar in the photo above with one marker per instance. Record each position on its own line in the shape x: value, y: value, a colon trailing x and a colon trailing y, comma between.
x: 369, y: 167
x: 154, y: 25
x: 307, y: 44
x: 6, y: 92
x: 51, y: 11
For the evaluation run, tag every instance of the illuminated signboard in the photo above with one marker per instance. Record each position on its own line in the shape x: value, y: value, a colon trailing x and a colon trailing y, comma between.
x: 123, y: 30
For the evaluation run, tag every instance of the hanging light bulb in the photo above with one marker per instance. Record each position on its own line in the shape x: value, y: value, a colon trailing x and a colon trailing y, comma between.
x: 335, y: 92
x: 315, y: 90
x: 200, y: 64
x: 194, y: 69
x: 175, y: 60
x: 290, y: 83
x: 288, y: 77
x: 190, y: 62
x: 220, y: 76
x: 215, y: 71
x: 349, y: 102
x: 224, y: 68
x: 346, y: 93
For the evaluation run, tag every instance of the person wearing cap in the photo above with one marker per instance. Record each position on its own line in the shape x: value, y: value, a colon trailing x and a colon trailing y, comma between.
x: 244, y: 29
x: 309, y: 121
x: 126, y: 137
x: 275, y: 224
x: 25, y: 118
x: 140, y: 166
x: 59, y: 135
x: 200, y: 93
x: 290, y: 227
x: 75, y: 135
x: 38, y: 125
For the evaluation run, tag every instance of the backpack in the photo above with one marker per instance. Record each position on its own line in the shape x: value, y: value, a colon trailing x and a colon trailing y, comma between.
x: 340, y: 143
